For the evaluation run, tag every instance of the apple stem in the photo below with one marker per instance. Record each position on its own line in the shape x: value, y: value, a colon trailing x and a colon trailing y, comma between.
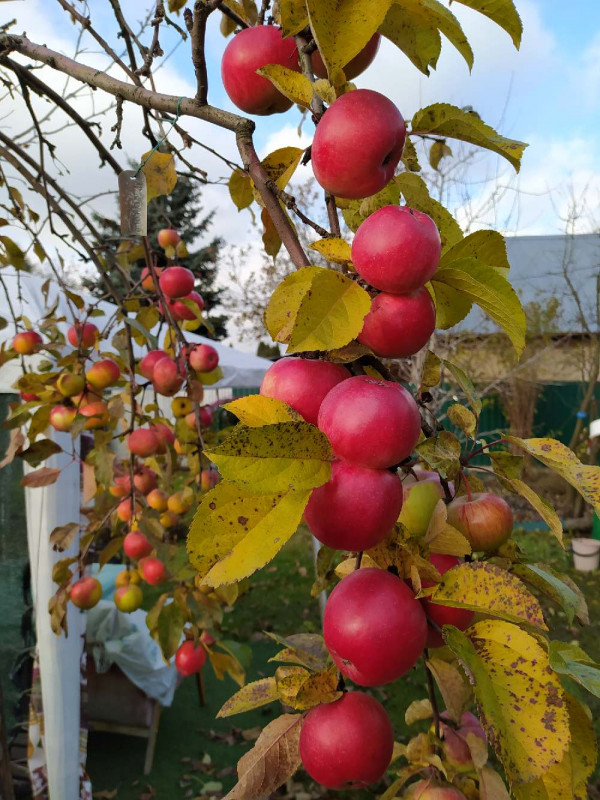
x: 359, y: 556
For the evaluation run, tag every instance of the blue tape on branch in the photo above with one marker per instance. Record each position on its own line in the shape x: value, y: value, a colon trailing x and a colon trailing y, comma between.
x: 164, y: 138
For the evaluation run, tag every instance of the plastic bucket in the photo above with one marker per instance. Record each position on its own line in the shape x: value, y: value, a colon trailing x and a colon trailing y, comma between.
x: 586, y: 554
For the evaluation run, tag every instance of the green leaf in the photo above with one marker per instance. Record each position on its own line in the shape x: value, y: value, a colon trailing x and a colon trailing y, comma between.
x: 12, y: 254
x: 293, y: 85
x: 233, y: 534
x: 294, y: 16
x: 274, y: 458
x: 316, y: 309
x: 416, y: 194
x: 487, y: 247
x: 559, y: 588
x: 491, y: 292
x: 443, y: 119
x: 465, y: 384
x: 342, y: 28
x: 486, y: 587
x: 255, y: 410
x: 336, y: 250
x: 502, y: 12
x: 521, y: 699
x: 569, y: 659
x: 410, y: 158
x: 451, y: 306
x: 169, y: 628
x: 240, y: 189
x: 40, y: 451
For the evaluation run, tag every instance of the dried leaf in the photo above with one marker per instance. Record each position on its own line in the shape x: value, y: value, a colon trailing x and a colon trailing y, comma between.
x: 45, y: 476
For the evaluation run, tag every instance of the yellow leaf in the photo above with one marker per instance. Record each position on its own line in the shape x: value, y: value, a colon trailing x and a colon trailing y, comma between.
x: 280, y: 165
x: 410, y: 158
x: 342, y: 28
x: 443, y: 119
x: 522, y: 701
x: 557, y: 456
x: 176, y: 5
x: 302, y: 690
x: 442, y: 537
x: 273, y: 759
x: 503, y: 13
x: 240, y: 189
x: 463, y: 418
x: 454, y: 688
x: 480, y: 586
x: 294, y: 16
x: 252, y: 695
x: 274, y: 458
x: 491, y: 785
x: 160, y: 173
x: 234, y: 534
x: 416, y: 194
x: 306, y: 649
x: 417, y: 711
x: 487, y: 247
x: 437, y: 152
x: 255, y: 410
x: 490, y: 291
x: 451, y: 306
x: 431, y: 373
x: 294, y: 85
x: 323, y: 89
x: 336, y: 250
x: 316, y: 309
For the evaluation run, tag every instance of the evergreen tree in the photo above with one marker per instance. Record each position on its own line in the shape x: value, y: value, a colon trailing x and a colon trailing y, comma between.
x: 181, y: 210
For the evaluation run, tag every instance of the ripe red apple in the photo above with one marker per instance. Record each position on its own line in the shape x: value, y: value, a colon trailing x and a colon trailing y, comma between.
x: 370, y: 422
x: 168, y: 237
x: 26, y: 342
x: 356, y: 509
x: 83, y: 335
x: 208, y: 479
x: 176, y: 282
x: 180, y: 311
x: 149, y: 361
x: 128, y: 598
x: 374, y: 627
x: 347, y: 743
x: 248, y: 51
x: 144, y: 480
x: 485, y: 519
x: 358, y: 144
x: 118, y: 490
x: 124, y: 510
x: 355, y: 66
x: 399, y: 325
x: 61, y: 417
x: 157, y: 499
x: 147, y: 279
x: 206, y: 416
x: 135, y: 545
x: 154, y: 571
x: 103, y: 374
x: 456, y: 747
x: 421, y: 495
x: 86, y: 592
x: 97, y: 413
x: 143, y: 442
x: 28, y: 397
x: 189, y: 659
x: 396, y: 249
x: 166, y: 377
x: 70, y: 384
x: 432, y: 790
x: 165, y: 436
x: 207, y: 639
x: 302, y: 384
x: 203, y: 358
x: 441, y: 615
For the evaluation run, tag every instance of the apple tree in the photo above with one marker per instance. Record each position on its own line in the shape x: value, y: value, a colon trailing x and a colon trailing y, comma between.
x: 419, y: 548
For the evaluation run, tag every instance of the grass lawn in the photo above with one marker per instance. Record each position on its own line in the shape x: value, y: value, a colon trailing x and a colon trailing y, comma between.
x: 196, y: 753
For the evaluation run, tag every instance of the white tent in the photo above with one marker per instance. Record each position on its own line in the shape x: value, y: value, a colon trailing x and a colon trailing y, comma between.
x: 59, y: 504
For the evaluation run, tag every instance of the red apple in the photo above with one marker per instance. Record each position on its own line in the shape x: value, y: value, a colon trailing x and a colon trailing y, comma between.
x: 83, y: 335
x: 26, y: 342
x: 203, y: 358
x: 347, y: 743
x: 180, y: 311
x: 128, y: 598
x: 248, y: 51
x: 358, y: 144
x: 206, y: 416
x: 165, y: 436
x: 456, y: 746
x: 61, y: 418
x: 355, y: 66
x: 441, y: 615
x: 485, y: 519
x: 28, y: 397
x: 166, y: 377
x: 150, y: 360
x: 208, y: 479
x: 154, y: 571
x: 157, y: 499
x: 399, y: 325
x: 148, y: 280
x: 356, y: 509
x: 374, y: 627
x: 168, y: 237
x: 189, y: 659
x: 124, y: 510
x: 86, y: 592
x: 135, y: 545
x: 207, y: 639
x: 97, y: 413
x: 369, y: 422
x: 432, y: 790
x: 176, y: 282
x: 143, y: 442
x: 144, y: 480
x: 397, y: 249
x: 103, y: 374
x: 302, y: 384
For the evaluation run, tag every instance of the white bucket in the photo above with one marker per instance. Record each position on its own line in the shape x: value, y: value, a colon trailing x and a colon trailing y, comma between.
x: 586, y: 554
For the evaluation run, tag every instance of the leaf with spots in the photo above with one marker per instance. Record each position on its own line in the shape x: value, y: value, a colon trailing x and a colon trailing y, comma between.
x: 522, y: 702
x: 316, y: 309
x: 252, y: 695
x: 463, y: 418
x: 441, y: 453
x: 302, y: 690
x: 279, y: 165
x: 273, y: 759
x: 558, y: 457
x: 502, y: 12
x: 294, y: 16
x: 233, y: 534
x: 274, y: 458
x: 306, y: 649
x: 485, y: 587
x: 295, y: 86
x: 337, y: 251
x: 161, y: 176
x: 255, y: 410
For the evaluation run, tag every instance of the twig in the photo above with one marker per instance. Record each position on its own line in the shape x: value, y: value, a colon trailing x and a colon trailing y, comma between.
x: 432, y: 696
